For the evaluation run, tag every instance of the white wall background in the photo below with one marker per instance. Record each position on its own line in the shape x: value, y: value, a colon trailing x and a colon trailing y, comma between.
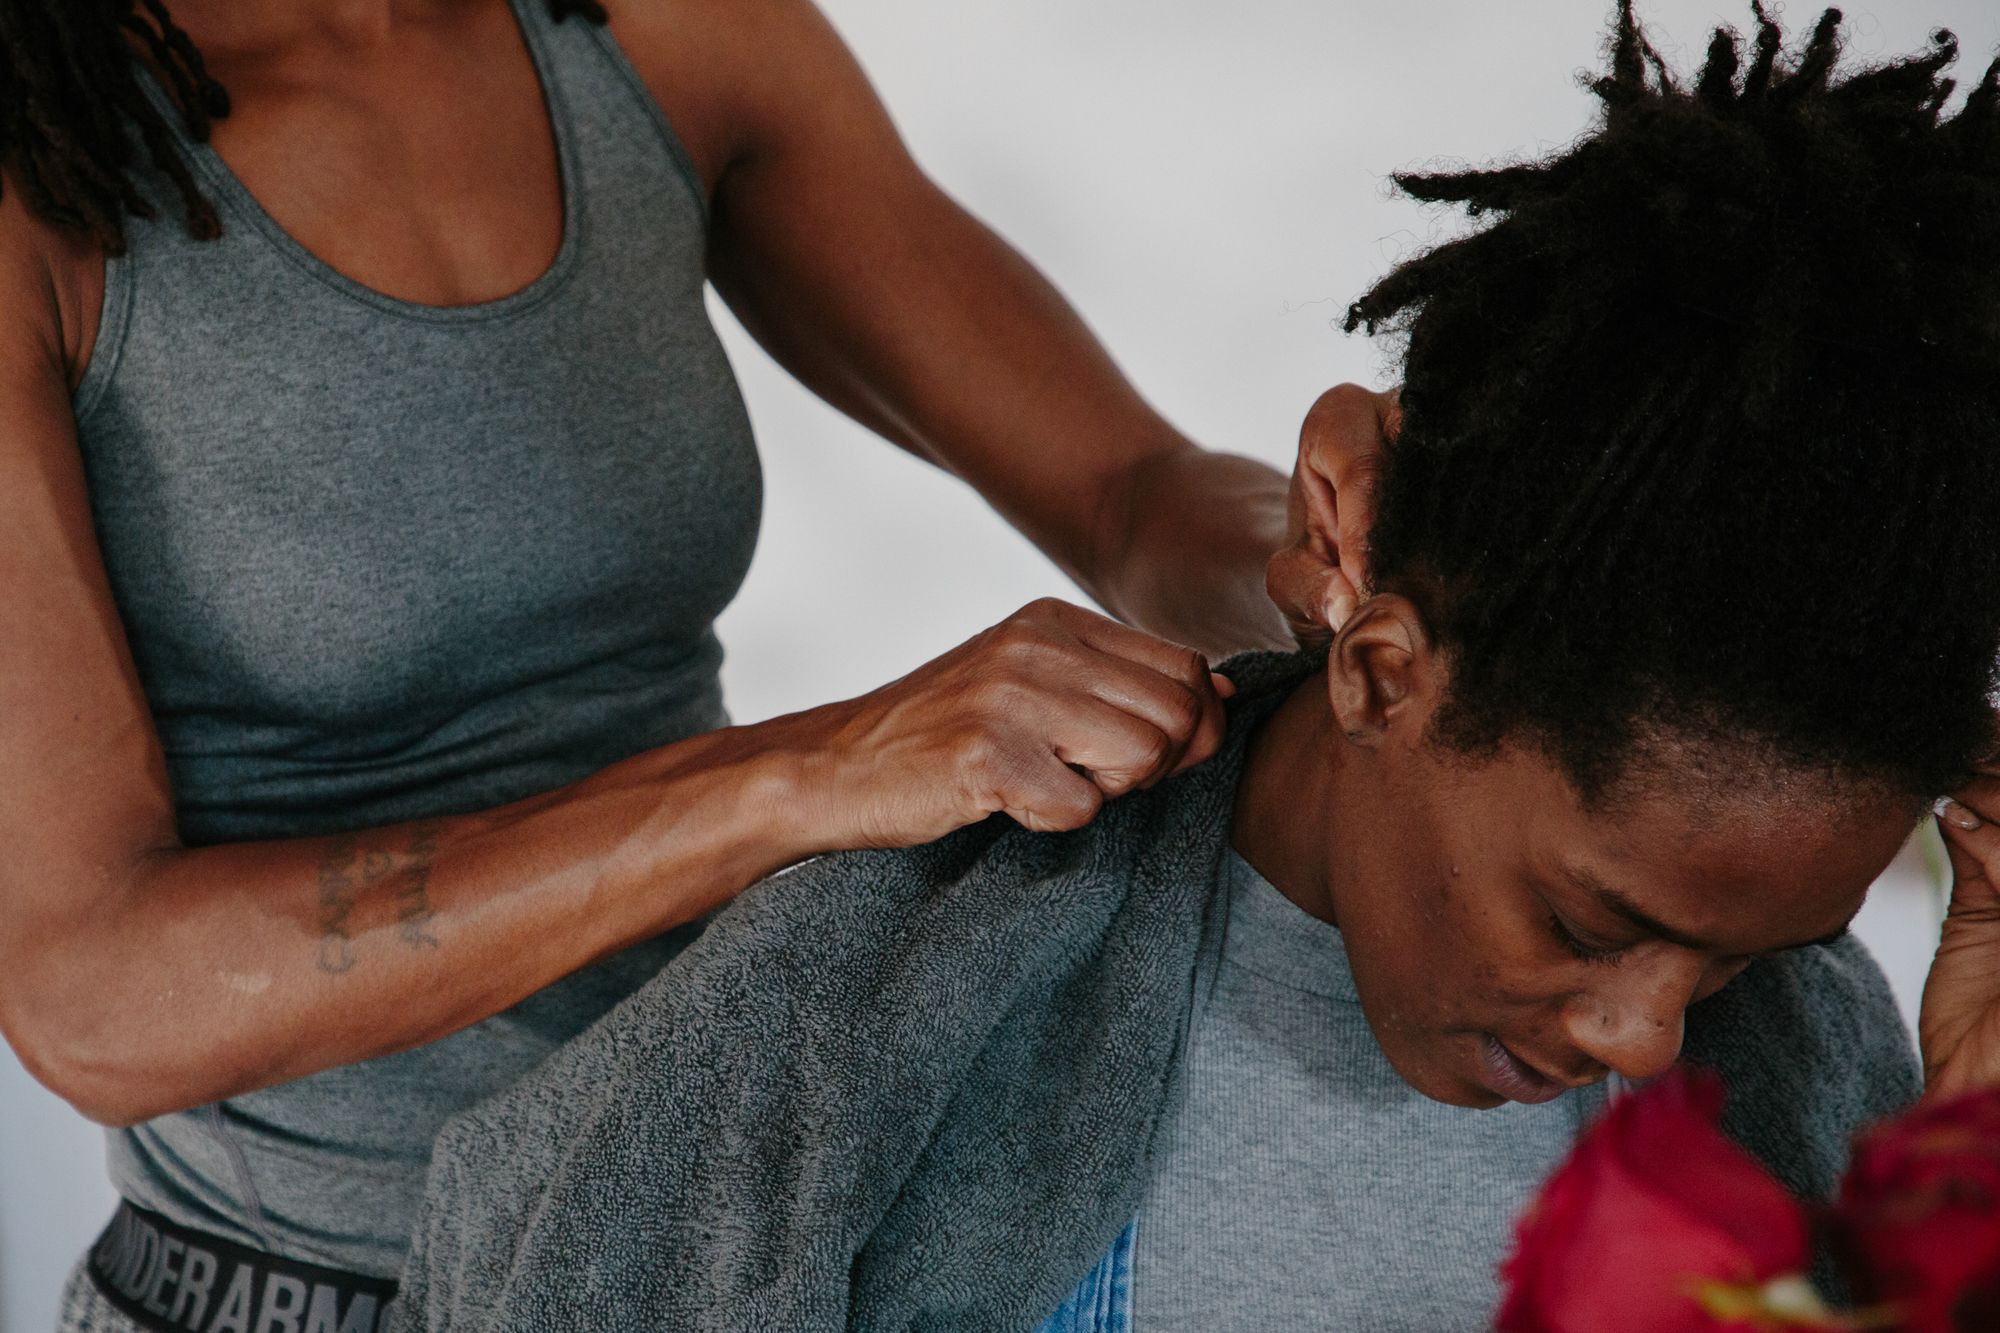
x: 1206, y: 182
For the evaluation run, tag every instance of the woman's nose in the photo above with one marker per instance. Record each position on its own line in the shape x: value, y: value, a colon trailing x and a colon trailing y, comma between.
x: 1632, y: 1022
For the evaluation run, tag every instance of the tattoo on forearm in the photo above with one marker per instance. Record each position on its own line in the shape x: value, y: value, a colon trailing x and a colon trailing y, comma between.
x: 337, y: 888
x: 413, y: 900
x: 348, y: 869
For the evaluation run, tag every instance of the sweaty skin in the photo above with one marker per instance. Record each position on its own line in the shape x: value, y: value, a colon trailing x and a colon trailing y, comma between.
x: 408, y: 146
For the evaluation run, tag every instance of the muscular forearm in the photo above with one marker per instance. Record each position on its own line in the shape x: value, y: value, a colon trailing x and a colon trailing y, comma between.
x: 198, y: 974
x: 1186, y: 549
x: 895, y: 305
x: 1007, y: 388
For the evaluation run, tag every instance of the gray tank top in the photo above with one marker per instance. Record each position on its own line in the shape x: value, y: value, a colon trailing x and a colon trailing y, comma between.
x: 381, y: 561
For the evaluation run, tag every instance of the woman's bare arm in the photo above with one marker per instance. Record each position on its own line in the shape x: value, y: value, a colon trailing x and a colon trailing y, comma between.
x: 889, y: 300
x: 139, y: 976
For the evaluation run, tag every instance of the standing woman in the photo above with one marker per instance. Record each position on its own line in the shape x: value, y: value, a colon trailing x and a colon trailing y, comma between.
x: 371, y: 478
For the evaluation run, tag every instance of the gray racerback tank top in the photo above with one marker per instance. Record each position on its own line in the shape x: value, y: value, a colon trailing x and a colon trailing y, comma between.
x: 381, y: 561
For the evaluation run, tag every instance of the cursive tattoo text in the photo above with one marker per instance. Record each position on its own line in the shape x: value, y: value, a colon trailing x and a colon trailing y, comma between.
x: 338, y: 888
x: 413, y: 898
x: 353, y: 877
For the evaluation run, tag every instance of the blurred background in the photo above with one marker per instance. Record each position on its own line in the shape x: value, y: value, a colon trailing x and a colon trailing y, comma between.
x: 1207, y: 183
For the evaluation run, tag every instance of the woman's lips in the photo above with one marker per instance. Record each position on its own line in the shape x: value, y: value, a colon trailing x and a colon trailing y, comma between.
x: 1512, y: 1078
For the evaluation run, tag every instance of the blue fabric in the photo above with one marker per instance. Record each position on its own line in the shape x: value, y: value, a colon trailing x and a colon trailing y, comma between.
x: 1102, y: 1302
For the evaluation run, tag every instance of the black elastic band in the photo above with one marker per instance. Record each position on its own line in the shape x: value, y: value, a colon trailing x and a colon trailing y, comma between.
x: 173, y: 1279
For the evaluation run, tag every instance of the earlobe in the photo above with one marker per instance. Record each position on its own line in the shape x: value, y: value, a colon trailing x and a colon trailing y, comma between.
x: 1379, y: 671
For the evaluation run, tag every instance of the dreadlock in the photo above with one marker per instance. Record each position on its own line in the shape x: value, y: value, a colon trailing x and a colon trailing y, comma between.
x: 1702, y: 430
x: 72, y: 106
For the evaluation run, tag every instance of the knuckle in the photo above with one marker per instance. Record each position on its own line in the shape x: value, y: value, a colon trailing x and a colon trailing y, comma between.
x: 1144, y: 757
x: 1077, y: 810
x: 1342, y: 400
x: 1184, y: 710
x: 1203, y: 747
x: 992, y: 698
x: 1019, y: 640
x: 1291, y: 575
x: 1111, y: 784
x: 981, y: 753
x: 1344, y: 397
x: 1044, y: 609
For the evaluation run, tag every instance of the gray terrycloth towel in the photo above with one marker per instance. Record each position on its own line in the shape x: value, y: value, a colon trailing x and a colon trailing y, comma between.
x: 916, y: 1090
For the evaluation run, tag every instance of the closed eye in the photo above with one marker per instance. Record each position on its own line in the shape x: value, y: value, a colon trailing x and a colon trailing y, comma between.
x: 1577, y: 947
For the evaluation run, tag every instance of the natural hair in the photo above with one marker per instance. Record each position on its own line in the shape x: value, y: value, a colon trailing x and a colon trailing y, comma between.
x: 74, y: 118
x: 1702, y: 434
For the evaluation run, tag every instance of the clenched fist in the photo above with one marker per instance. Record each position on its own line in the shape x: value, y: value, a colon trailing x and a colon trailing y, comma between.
x: 1044, y: 717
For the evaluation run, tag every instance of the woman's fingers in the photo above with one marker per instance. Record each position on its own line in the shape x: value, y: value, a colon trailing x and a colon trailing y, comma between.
x: 1165, y: 684
x: 1972, y: 846
x: 1094, y: 745
x: 1312, y: 592
x: 1173, y: 660
x: 1959, y: 1028
x: 1044, y: 716
x: 1057, y: 800
x: 1343, y: 439
x: 1318, y: 578
x: 1111, y: 747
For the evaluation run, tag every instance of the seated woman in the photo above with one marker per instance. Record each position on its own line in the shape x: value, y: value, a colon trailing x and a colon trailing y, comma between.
x: 1687, y: 602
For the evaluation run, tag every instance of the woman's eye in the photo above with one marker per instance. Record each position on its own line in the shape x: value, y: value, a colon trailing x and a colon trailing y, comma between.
x: 1580, y: 949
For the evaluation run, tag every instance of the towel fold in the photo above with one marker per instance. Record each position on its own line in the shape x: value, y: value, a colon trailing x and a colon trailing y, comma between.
x: 916, y: 1090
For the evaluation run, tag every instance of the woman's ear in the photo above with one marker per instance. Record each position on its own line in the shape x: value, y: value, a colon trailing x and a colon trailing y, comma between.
x: 1383, y: 671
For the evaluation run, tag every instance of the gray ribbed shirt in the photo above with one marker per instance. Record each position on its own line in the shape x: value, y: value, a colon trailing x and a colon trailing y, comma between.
x: 1300, y: 1183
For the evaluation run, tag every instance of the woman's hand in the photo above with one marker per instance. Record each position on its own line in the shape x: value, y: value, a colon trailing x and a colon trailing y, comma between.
x: 1043, y: 717
x: 1319, y: 578
x: 1960, y: 1026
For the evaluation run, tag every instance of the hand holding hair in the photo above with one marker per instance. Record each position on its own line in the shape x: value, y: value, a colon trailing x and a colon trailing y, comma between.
x: 1322, y: 573
x: 1959, y: 1029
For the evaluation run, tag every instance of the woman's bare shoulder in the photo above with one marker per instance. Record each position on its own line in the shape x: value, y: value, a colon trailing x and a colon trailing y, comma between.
x: 51, y: 288
x: 734, y: 75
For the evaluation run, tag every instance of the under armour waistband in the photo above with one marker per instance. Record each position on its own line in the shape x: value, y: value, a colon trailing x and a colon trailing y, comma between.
x: 174, y: 1279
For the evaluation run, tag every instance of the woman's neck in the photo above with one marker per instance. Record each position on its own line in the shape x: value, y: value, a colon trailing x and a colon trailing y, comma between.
x: 282, y: 25
x: 1288, y: 802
